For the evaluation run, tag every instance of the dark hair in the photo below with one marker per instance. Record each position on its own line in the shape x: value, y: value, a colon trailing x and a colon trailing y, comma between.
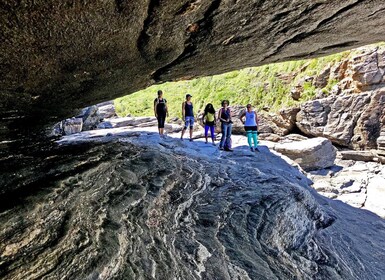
x: 160, y: 92
x: 225, y: 101
x: 248, y: 105
x: 209, y: 109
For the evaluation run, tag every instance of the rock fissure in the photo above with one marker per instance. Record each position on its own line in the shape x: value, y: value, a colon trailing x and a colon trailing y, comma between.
x: 197, y: 33
x: 144, y: 37
x: 338, y: 13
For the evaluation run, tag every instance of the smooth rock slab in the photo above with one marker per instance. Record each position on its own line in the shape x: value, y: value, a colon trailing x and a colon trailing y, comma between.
x: 375, y: 200
x: 311, y: 154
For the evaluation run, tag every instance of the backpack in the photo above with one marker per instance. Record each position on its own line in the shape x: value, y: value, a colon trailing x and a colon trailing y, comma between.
x: 157, y: 102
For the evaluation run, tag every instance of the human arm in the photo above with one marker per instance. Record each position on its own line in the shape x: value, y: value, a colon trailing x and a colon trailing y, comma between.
x: 242, y: 116
x: 219, y: 115
x: 155, y: 105
x: 183, y: 111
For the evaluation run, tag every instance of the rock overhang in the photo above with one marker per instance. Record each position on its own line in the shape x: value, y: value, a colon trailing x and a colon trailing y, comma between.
x: 56, y: 57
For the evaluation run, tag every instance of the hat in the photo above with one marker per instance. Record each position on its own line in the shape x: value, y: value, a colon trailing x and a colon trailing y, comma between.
x: 188, y: 95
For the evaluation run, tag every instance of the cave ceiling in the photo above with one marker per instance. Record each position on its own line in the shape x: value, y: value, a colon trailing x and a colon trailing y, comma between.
x: 57, y: 56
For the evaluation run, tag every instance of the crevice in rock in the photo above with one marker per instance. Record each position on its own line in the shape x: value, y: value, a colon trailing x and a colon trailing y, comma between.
x: 295, y: 39
x: 119, y: 5
x: 299, y: 37
x: 187, y: 7
x: 376, y: 12
x: 337, y: 14
x: 144, y: 37
x: 280, y: 16
x: 203, y: 31
x: 339, y: 46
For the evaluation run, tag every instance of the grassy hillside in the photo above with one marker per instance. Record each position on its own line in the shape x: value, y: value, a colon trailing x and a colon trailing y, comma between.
x: 267, y: 85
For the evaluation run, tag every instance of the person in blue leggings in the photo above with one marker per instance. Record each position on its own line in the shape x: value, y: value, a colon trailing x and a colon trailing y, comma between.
x: 251, y: 127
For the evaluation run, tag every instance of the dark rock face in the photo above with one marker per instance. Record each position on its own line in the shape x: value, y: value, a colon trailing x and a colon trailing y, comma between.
x: 118, y: 211
x: 59, y: 56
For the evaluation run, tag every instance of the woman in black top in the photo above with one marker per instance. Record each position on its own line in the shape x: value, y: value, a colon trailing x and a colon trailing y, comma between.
x: 161, y: 111
x: 188, y: 116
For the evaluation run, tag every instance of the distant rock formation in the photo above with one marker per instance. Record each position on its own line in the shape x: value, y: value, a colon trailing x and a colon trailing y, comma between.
x: 352, y: 113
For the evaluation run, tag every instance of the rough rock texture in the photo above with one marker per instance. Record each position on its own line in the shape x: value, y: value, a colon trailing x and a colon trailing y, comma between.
x: 381, y: 140
x: 107, y: 110
x: 73, y: 125
x: 349, y: 120
x: 360, y: 184
x: 59, y: 56
x: 156, y: 211
x: 311, y: 154
x: 281, y: 124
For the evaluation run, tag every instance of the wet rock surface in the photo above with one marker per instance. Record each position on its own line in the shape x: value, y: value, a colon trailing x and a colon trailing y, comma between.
x: 141, y: 207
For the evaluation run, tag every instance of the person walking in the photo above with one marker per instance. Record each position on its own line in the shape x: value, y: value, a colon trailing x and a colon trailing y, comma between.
x: 251, y: 127
x: 160, y: 111
x: 188, y: 116
x: 224, y: 116
x: 209, y: 121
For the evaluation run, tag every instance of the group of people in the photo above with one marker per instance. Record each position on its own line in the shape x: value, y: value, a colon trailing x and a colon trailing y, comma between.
x: 248, y: 118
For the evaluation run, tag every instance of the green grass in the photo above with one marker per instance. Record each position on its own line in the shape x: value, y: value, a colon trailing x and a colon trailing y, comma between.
x: 263, y: 86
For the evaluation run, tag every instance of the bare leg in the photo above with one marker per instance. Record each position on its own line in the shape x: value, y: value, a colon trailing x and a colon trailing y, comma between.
x: 183, y: 130
x: 191, y: 132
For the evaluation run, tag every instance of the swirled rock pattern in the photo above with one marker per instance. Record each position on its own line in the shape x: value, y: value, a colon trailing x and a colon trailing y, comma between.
x: 137, y: 211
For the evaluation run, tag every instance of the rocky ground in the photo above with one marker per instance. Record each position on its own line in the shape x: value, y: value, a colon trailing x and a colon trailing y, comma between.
x: 356, y: 182
x: 127, y: 204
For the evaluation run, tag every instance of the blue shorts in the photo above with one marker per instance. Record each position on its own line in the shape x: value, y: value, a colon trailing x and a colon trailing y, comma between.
x: 189, y: 121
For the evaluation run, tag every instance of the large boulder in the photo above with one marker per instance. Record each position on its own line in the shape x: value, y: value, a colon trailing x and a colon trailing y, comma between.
x: 107, y: 110
x: 281, y: 123
x: 91, y: 117
x: 72, y: 126
x: 311, y: 154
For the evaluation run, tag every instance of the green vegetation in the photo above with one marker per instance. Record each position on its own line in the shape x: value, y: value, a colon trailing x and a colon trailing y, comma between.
x: 268, y: 85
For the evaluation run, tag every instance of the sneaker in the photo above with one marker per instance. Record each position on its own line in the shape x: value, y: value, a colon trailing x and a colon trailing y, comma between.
x: 214, y: 144
x: 252, y: 149
x: 206, y: 142
x: 191, y: 140
x: 256, y: 149
x: 221, y: 148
